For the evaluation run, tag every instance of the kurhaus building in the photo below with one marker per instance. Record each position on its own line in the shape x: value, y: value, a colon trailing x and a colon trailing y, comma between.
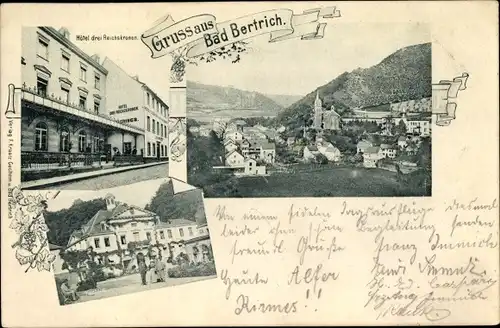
x: 65, y: 105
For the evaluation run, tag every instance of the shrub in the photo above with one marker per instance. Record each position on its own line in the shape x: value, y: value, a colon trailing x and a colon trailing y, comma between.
x: 192, y: 270
x: 86, y: 285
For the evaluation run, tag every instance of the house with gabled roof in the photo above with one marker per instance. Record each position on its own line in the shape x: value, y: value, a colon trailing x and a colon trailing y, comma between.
x: 370, y: 156
x: 268, y: 152
x: 234, y: 158
x: 310, y: 153
x: 110, y: 232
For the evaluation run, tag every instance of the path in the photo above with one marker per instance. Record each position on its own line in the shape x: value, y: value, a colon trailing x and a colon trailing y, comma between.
x: 131, y: 284
x: 123, y: 176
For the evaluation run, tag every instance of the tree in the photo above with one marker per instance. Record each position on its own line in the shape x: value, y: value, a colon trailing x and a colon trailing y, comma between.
x: 220, y: 128
x: 321, y: 159
x: 424, y: 154
x: 64, y: 222
x: 400, y: 128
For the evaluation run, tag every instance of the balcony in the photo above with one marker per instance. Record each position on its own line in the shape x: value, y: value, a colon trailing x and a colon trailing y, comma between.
x: 36, y: 161
x: 32, y: 95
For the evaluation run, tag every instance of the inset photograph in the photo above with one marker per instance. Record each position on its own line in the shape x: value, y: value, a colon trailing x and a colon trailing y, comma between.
x: 119, y: 241
x: 348, y: 115
x: 88, y: 120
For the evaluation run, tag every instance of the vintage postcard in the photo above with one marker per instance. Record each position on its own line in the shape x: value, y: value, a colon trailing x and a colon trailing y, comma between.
x: 250, y: 163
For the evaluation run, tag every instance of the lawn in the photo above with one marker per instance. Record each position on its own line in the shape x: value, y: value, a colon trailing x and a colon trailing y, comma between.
x: 332, y: 182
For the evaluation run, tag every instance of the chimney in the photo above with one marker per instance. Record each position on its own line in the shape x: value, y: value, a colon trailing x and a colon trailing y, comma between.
x: 96, y: 58
x: 64, y: 32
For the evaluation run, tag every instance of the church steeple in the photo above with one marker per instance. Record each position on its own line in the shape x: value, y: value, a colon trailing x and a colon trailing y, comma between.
x: 317, y: 102
x: 318, y: 112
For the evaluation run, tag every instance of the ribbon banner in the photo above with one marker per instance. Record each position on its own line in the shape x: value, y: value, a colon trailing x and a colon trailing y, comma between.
x: 201, y: 34
x: 444, y: 98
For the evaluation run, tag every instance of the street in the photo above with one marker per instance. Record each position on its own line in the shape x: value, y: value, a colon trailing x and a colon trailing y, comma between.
x: 130, y: 284
x: 115, y: 180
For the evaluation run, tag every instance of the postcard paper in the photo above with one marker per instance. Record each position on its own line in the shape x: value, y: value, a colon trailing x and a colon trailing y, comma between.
x: 243, y: 164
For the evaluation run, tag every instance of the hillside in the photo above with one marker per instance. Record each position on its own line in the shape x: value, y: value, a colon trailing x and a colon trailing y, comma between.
x: 284, y: 100
x: 404, y: 75
x: 212, y: 98
x: 63, y: 222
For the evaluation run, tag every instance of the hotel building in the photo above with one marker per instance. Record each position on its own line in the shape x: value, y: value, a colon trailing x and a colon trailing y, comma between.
x: 68, y: 107
x: 139, y: 106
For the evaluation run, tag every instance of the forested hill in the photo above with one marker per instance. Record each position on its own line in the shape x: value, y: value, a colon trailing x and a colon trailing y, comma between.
x: 404, y: 75
x: 213, y: 97
x: 63, y: 222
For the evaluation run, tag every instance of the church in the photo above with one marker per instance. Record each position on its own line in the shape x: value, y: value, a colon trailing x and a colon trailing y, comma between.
x: 324, y: 119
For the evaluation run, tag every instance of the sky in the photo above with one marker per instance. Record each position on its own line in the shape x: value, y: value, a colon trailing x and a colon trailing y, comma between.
x: 127, y: 194
x: 296, y: 67
x: 291, y: 67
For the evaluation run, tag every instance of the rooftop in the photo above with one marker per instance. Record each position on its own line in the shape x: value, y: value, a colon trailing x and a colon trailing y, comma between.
x: 371, y: 150
x: 176, y: 223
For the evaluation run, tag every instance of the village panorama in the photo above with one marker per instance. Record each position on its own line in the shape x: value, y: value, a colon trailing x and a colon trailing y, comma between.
x: 365, y: 133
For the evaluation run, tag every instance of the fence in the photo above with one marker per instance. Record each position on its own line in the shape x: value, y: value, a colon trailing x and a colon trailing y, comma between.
x: 128, y: 159
x: 49, y: 160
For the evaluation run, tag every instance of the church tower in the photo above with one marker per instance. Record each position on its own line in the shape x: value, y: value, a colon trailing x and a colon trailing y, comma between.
x: 318, y: 112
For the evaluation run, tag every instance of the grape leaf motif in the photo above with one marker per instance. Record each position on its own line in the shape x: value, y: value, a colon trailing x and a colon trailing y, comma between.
x: 28, y: 222
x: 21, y: 222
x: 180, y: 59
x: 44, y: 260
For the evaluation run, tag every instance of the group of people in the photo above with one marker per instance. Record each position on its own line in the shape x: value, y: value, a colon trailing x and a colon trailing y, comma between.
x: 154, y: 271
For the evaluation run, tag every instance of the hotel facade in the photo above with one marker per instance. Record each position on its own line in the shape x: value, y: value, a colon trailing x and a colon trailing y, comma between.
x: 74, y: 109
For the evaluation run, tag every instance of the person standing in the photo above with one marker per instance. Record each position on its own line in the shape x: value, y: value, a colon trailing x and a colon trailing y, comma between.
x: 161, y: 269
x: 143, y: 268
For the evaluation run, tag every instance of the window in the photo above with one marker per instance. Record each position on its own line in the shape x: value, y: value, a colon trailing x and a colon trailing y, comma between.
x: 83, y: 73
x: 147, y: 98
x: 136, y: 236
x: 65, y: 95
x: 149, y: 123
x: 190, y: 231
x: 65, y: 62
x: 169, y: 233
x: 181, y: 232
x: 148, y: 235
x: 134, y: 224
x: 82, y: 136
x: 106, y: 242
x: 83, y: 102
x: 149, y: 149
x: 162, y: 234
x: 154, y: 150
x: 161, y: 130
x: 97, y: 105
x: 97, y: 81
x: 41, y: 86
x: 41, y: 137
x: 158, y: 127
x: 97, y: 242
x: 123, y: 239
x: 64, y: 140
x: 165, y: 128
x: 154, y: 124
x: 43, y: 48
x: 161, y: 148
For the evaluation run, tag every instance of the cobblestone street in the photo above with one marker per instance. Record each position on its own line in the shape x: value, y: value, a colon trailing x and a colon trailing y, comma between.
x: 115, y: 180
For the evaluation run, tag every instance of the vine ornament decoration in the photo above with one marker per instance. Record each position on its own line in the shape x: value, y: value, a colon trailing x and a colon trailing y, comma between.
x: 31, y: 247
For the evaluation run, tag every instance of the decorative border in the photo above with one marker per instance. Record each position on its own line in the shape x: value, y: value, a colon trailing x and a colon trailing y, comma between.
x: 26, y: 218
